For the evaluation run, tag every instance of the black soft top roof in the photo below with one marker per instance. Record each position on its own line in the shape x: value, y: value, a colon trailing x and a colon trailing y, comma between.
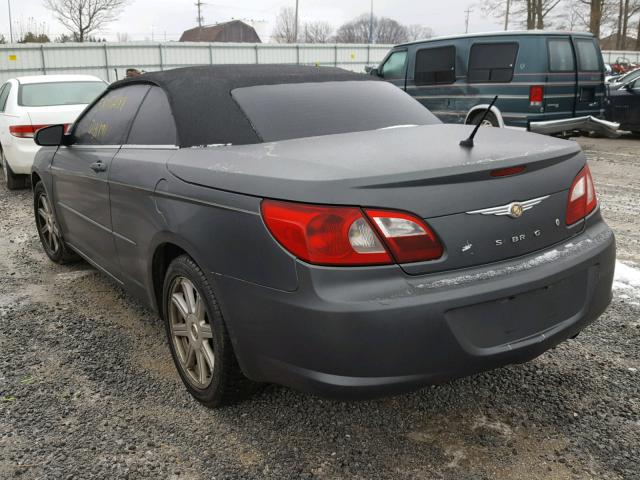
x: 201, y: 102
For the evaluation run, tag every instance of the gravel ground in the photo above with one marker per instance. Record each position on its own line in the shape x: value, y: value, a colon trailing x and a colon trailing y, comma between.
x: 88, y: 389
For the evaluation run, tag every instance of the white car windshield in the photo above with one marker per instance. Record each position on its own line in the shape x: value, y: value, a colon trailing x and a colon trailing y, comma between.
x: 59, y: 93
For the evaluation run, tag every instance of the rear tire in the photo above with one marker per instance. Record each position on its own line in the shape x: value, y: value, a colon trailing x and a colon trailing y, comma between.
x: 14, y: 182
x: 490, y: 121
x: 198, y: 338
x: 48, y: 228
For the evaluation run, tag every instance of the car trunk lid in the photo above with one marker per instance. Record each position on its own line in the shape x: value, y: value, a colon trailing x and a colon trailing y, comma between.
x: 422, y: 170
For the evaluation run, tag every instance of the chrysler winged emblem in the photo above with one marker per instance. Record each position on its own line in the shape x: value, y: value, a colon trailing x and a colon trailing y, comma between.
x: 513, y: 209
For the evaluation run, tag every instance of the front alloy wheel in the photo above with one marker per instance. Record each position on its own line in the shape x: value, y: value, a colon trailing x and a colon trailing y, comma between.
x: 48, y: 228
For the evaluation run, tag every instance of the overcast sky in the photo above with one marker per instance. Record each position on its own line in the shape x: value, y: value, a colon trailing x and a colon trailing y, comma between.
x: 143, y: 18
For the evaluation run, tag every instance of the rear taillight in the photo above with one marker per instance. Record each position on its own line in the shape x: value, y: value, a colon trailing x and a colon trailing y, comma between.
x: 328, y: 235
x: 407, y: 236
x: 29, y: 131
x: 536, y: 95
x: 324, y: 235
x: 582, y: 197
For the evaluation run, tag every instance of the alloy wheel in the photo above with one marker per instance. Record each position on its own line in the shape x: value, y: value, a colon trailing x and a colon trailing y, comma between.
x: 486, y: 123
x: 191, y: 332
x: 47, y: 225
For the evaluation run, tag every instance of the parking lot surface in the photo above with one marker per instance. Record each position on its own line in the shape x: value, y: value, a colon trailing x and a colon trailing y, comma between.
x: 88, y: 388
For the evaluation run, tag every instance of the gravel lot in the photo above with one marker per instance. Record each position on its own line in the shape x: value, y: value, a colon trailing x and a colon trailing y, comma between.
x: 88, y: 389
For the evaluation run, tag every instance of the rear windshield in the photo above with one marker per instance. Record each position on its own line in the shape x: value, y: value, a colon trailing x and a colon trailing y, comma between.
x: 282, y: 112
x: 58, y: 93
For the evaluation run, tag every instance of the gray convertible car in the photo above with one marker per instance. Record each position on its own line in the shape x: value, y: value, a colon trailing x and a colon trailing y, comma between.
x: 323, y: 230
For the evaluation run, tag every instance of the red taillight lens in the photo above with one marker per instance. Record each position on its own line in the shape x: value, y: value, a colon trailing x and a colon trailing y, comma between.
x: 407, y: 236
x: 29, y: 131
x: 536, y: 95
x: 324, y: 235
x: 327, y: 235
x: 582, y: 197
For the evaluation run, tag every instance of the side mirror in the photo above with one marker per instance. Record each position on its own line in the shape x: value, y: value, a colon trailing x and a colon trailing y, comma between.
x: 373, y: 71
x: 51, y: 136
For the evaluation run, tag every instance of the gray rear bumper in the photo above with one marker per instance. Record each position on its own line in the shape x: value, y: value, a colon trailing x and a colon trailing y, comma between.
x: 367, y: 332
x: 578, y: 124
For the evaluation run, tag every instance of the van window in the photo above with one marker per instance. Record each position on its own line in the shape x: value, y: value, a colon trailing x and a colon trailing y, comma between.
x: 394, y: 67
x: 435, y: 65
x: 492, y: 62
x: 587, y: 56
x: 560, y: 55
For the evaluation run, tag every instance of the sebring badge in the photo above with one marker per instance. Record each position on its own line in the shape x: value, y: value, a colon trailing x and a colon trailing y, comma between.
x: 513, y: 209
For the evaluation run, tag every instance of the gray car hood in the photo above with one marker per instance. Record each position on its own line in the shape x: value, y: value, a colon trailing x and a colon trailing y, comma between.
x: 417, y: 168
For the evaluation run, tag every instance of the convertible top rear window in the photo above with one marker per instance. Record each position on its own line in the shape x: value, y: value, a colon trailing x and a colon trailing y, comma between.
x: 287, y: 111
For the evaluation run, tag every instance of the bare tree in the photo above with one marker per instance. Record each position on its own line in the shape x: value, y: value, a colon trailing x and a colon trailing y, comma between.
x: 2, y: 39
x: 627, y: 9
x: 317, y: 32
x: 285, y: 29
x: 84, y: 17
x: 593, y: 14
x: 418, y: 32
x: 385, y: 30
x: 533, y: 14
x: 500, y: 9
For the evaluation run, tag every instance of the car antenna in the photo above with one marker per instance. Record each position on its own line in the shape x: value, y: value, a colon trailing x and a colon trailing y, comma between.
x: 468, y: 142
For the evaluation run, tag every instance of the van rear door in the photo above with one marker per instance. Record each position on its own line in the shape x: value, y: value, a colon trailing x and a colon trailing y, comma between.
x: 561, y: 90
x: 590, y: 77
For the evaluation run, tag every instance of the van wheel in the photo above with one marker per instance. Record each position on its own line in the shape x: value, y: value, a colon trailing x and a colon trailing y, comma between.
x: 489, y: 121
x: 14, y: 182
x: 198, y: 338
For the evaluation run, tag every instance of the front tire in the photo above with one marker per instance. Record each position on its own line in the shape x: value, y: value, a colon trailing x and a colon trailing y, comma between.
x: 14, y: 182
x: 198, y: 338
x: 48, y: 228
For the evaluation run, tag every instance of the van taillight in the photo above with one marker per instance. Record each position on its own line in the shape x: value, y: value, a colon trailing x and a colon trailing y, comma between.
x: 582, y: 197
x: 330, y: 235
x: 536, y: 95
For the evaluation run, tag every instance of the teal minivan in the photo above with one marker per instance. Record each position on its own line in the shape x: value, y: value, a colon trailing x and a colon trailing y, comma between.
x: 540, y: 77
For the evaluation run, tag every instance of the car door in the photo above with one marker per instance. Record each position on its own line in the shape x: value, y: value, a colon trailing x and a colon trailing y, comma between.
x: 138, y: 169
x: 633, y: 122
x: 80, y: 173
x: 561, y: 93
x: 624, y: 106
x: 590, y: 77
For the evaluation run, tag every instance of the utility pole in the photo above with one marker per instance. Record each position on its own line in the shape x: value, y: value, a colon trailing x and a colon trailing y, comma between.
x: 506, y: 16
x: 466, y: 19
x: 200, y: 19
x: 10, y: 23
x: 371, y: 24
x: 295, y: 27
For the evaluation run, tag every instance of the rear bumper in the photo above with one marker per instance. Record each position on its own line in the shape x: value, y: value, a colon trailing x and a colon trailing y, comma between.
x: 20, y: 153
x: 367, y: 332
x: 581, y: 124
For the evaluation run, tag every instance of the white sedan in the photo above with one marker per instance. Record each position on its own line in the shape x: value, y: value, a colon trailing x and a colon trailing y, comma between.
x: 30, y: 103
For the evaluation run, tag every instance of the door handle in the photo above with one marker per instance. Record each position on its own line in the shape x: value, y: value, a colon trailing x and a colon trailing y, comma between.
x: 98, y: 167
